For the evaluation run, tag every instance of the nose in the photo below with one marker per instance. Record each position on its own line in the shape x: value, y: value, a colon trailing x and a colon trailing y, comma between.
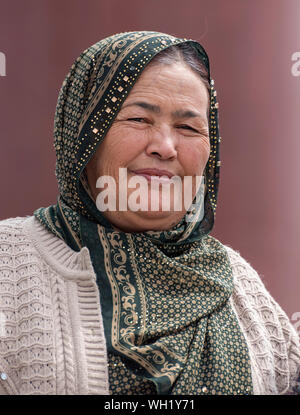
x: 162, y: 144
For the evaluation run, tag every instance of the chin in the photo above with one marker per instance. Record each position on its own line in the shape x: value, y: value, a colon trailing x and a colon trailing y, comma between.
x: 147, y: 221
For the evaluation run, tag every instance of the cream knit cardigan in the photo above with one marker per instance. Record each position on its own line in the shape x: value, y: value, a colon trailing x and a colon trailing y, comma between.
x: 51, y: 330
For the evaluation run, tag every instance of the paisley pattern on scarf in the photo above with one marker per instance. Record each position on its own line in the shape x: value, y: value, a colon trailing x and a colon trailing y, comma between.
x: 168, y: 322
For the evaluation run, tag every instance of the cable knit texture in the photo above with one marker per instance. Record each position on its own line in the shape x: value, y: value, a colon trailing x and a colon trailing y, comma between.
x: 51, y: 330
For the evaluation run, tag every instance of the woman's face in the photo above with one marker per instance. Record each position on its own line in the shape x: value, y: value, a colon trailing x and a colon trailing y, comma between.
x: 161, y: 129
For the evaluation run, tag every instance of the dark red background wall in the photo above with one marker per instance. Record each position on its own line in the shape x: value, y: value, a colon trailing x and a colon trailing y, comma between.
x: 250, y: 44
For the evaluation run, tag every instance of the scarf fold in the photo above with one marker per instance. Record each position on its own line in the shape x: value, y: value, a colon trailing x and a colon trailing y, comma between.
x: 169, y: 325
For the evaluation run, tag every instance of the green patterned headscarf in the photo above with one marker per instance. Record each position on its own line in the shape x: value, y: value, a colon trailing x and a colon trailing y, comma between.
x: 169, y: 325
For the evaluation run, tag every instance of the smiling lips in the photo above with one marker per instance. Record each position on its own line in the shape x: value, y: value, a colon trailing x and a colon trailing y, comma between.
x: 163, y: 176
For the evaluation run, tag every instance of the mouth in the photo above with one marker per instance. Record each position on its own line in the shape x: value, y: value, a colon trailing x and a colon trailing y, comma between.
x: 163, y: 176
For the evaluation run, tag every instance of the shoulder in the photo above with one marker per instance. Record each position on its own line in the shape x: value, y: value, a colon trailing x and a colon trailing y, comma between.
x: 14, y: 225
x: 240, y: 266
x: 25, y: 305
x: 17, y: 248
x: 273, y: 342
x: 246, y: 278
x: 13, y: 238
x: 251, y: 293
x: 249, y: 287
x: 26, y: 243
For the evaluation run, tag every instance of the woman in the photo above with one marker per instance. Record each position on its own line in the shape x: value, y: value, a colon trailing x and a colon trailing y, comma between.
x: 136, y: 301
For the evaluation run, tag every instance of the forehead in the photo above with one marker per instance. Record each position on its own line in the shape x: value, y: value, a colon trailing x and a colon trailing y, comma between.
x: 175, y: 81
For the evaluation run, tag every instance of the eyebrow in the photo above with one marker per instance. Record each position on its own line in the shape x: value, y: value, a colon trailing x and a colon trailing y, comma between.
x: 176, y: 114
x: 145, y: 105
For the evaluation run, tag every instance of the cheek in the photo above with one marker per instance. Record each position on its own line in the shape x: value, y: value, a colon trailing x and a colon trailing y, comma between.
x: 125, y: 145
x: 119, y: 148
x: 194, y: 158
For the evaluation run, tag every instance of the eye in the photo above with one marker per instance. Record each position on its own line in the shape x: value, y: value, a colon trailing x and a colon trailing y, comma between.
x: 136, y: 119
x: 187, y: 127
